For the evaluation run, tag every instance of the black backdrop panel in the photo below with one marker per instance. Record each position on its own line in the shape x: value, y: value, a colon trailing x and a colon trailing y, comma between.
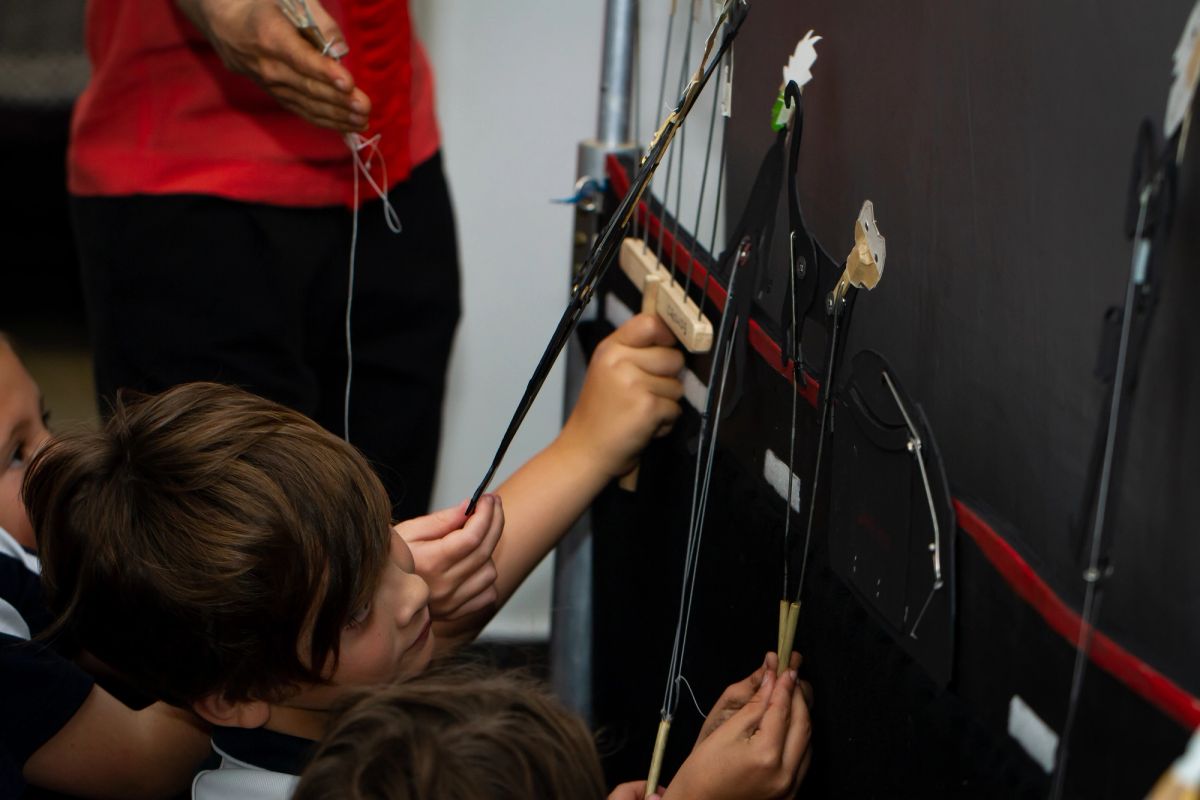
x: 996, y: 140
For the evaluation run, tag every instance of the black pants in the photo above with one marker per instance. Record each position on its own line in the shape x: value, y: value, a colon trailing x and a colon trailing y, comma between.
x: 185, y: 288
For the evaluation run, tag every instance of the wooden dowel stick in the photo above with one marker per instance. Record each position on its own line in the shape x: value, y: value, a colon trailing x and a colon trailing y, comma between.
x: 651, y: 285
x: 660, y: 747
x: 783, y: 615
x: 672, y: 304
x: 789, y: 638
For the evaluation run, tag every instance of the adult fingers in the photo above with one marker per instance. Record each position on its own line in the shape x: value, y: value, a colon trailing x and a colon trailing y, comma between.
x: 290, y: 46
x: 329, y: 28
x: 283, y: 65
x: 316, y: 112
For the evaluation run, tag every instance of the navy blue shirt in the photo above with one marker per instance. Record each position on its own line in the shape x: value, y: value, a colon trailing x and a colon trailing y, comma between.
x: 39, y: 689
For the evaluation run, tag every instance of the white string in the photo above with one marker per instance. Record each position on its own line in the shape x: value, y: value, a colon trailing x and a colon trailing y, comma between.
x: 695, y: 702
x: 698, y: 535
x: 357, y: 145
x: 299, y: 15
x: 705, y: 457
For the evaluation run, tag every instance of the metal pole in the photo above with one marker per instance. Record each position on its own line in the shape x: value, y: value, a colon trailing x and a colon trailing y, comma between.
x: 616, y: 75
x: 571, y: 611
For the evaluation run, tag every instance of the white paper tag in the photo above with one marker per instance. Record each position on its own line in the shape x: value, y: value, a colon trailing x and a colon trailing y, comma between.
x: 1186, y: 71
x: 1034, y: 735
x: 798, y: 69
x: 799, y: 66
x: 776, y: 472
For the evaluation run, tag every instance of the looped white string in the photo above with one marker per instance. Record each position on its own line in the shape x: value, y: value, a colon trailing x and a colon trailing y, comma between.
x: 695, y: 702
x: 299, y: 14
x: 359, y: 144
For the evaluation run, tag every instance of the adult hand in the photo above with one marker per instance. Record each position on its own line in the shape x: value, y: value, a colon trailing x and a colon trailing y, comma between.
x: 453, y: 553
x: 630, y: 395
x: 254, y: 38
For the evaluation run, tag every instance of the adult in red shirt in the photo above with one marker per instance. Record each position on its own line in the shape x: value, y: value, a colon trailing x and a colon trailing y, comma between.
x: 212, y: 196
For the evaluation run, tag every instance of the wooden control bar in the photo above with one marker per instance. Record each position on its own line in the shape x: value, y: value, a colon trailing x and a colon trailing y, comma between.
x: 665, y: 296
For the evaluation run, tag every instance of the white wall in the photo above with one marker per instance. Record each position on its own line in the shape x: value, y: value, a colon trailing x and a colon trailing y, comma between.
x: 518, y: 88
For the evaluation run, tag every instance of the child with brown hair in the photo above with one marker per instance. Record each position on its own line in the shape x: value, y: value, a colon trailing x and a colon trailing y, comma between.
x: 59, y: 730
x: 460, y: 733
x: 228, y: 555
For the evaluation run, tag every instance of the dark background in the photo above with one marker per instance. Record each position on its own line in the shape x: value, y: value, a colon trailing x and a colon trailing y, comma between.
x: 42, y: 69
x: 996, y: 141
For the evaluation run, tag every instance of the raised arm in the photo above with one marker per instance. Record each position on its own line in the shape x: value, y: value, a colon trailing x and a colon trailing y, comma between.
x: 630, y: 395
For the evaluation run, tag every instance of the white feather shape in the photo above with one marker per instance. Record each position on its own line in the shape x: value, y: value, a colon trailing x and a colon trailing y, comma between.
x: 1186, y: 71
x: 799, y: 66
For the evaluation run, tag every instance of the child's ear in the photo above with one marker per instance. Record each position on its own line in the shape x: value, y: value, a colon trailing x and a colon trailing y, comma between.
x: 219, y: 710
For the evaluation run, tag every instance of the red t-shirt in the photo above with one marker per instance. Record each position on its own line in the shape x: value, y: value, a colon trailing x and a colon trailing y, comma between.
x: 163, y: 115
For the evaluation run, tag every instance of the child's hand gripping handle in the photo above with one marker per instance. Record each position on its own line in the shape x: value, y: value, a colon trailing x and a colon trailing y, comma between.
x: 630, y: 395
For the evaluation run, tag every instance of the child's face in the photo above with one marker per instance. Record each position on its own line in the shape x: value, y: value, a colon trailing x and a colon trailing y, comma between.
x: 388, y: 640
x: 22, y: 432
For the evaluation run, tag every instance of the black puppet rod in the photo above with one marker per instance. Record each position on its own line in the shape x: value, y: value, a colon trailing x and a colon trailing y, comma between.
x: 605, y: 248
x: 1148, y: 221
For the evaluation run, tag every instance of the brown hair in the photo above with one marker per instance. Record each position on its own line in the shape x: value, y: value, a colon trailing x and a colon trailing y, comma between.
x: 207, y: 540
x: 455, y: 733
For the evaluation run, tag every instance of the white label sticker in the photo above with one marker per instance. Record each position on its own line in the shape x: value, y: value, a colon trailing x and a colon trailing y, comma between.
x: 776, y: 473
x: 1028, y: 729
